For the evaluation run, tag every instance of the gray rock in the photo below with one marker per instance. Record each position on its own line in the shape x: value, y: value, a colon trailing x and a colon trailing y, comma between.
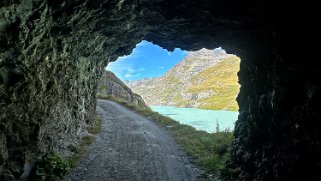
x: 111, y: 85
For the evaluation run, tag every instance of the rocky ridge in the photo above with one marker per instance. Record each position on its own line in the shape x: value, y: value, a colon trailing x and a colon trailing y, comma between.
x: 111, y: 85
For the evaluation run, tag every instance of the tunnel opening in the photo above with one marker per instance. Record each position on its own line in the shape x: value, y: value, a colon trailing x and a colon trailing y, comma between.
x: 203, y: 79
x: 196, y: 89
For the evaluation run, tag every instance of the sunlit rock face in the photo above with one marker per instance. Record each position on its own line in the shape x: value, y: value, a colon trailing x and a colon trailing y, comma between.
x: 52, y: 54
x: 204, y: 79
x: 110, y: 86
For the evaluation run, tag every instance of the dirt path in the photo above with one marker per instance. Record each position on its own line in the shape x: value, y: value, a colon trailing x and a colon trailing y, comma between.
x: 131, y: 147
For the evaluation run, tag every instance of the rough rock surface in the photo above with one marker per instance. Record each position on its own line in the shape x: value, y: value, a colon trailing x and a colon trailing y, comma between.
x: 111, y: 85
x: 131, y: 147
x: 205, y: 79
x: 52, y: 54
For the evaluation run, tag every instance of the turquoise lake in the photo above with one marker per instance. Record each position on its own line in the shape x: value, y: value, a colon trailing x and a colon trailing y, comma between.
x: 199, y: 118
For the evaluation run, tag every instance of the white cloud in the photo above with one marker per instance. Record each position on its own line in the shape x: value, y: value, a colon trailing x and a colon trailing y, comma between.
x: 125, y: 69
x: 129, y: 75
x: 161, y: 67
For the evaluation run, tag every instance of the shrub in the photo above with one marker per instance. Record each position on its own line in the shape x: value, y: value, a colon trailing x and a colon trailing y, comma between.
x: 87, y: 140
x: 51, y: 167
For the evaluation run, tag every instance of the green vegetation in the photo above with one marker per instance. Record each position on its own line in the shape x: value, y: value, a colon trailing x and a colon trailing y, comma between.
x: 79, y: 152
x: 221, y: 79
x: 96, y: 127
x: 101, y: 88
x: 82, y: 148
x: 209, y: 151
x: 87, y: 140
x: 53, y: 167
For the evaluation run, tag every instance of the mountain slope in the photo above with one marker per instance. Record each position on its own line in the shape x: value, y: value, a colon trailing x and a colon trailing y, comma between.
x: 111, y: 85
x: 205, y: 79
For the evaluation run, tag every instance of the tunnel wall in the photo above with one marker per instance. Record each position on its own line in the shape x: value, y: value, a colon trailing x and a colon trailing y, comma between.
x: 49, y: 75
x: 52, y: 54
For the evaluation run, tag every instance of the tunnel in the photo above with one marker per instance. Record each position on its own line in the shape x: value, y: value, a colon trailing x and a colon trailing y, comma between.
x: 53, y: 52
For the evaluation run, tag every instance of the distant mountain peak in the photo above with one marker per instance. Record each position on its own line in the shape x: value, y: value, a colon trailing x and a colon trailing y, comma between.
x: 215, y: 54
x: 203, y: 79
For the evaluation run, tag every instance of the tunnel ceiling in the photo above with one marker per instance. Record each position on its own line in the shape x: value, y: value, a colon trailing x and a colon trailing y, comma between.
x: 53, y: 52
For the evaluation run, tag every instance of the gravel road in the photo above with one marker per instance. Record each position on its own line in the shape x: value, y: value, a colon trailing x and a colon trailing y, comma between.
x: 131, y: 147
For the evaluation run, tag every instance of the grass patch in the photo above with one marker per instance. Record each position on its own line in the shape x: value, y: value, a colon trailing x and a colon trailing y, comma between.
x: 87, y: 140
x: 82, y: 149
x: 79, y: 152
x: 96, y: 127
x: 52, y: 166
x: 210, y: 151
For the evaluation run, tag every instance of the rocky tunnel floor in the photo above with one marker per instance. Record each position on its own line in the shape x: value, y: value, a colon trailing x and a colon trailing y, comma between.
x: 131, y: 147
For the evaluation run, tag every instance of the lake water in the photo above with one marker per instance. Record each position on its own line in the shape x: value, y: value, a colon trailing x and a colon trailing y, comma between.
x: 199, y: 118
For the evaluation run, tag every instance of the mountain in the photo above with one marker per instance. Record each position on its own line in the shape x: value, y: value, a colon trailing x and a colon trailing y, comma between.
x: 205, y: 79
x: 111, y: 86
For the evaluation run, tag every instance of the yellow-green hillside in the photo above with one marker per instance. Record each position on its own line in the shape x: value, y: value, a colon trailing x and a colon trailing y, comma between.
x: 222, y: 80
x: 205, y: 79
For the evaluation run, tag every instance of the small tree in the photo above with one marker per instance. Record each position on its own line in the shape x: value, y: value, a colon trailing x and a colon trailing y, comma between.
x: 217, y: 126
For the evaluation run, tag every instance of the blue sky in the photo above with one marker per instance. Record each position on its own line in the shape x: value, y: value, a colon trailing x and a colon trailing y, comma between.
x: 146, y: 61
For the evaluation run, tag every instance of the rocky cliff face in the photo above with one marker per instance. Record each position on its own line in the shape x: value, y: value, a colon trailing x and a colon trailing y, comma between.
x: 52, y: 54
x: 111, y: 85
x: 205, y: 79
x: 51, y: 58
